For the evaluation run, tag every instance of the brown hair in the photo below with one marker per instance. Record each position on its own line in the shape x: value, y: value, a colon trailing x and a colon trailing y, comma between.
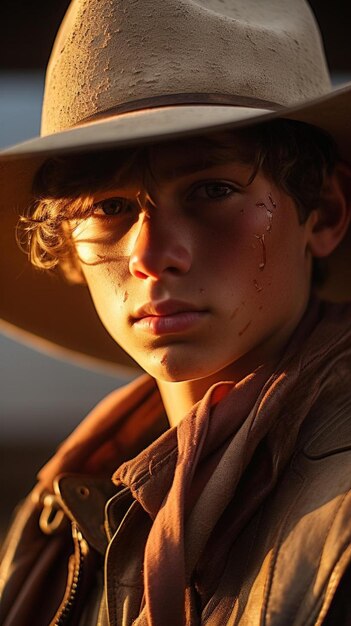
x: 296, y: 157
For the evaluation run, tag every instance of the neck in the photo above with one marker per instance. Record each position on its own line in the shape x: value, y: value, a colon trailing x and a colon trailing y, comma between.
x: 179, y: 397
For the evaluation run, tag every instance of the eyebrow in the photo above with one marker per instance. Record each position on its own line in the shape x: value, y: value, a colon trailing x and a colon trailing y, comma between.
x: 190, y: 168
x: 187, y: 169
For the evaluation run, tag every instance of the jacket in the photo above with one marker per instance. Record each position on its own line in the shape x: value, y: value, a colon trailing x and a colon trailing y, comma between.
x: 289, y: 566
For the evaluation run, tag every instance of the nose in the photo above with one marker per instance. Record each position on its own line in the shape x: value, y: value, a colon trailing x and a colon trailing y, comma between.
x: 161, y: 246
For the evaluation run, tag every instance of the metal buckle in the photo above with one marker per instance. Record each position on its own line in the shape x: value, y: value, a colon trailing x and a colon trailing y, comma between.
x: 52, y: 517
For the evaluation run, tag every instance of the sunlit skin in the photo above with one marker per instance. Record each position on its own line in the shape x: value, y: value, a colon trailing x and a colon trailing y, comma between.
x: 235, y: 252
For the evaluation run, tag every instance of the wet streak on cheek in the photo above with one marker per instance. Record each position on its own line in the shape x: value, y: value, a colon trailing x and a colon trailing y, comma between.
x: 261, y: 237
x: 264, y: 257
x: 272, y: 201
x: 269, y: 212
x: 256, y: 285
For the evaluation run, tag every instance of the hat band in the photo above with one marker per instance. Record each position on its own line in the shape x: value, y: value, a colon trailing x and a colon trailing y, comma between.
x: 183, y: 98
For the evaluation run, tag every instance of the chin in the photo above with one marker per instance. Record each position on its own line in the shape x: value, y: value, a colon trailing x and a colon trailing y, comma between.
x: 169, y: 369
x: 166, y: 373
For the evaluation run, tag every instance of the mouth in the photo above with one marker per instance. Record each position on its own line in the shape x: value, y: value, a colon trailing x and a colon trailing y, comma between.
x: 167, y: 317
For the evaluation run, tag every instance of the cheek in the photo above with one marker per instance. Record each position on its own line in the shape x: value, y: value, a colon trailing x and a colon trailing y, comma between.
x: 240, y: 243
x: 259, y: 256
x: 104, y: 261
x: 106, y: 283
x: 99, y: 241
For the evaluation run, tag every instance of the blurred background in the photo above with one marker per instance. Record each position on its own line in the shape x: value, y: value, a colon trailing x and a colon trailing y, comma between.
x: 41, y: 397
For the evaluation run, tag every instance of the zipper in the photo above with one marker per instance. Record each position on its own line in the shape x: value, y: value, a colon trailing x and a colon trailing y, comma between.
x: 80, y: 551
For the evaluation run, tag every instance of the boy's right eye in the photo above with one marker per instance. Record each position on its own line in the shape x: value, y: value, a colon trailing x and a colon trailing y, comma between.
x: 110, y: 207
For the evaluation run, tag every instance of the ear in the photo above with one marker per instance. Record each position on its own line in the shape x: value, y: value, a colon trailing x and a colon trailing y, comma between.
x: 330, y: 221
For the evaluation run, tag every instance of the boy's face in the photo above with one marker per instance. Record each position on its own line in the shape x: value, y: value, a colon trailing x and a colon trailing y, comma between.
x: 221, y: 267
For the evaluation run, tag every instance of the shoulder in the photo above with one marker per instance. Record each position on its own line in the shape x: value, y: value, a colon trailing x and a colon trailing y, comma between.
x: 310, y: 512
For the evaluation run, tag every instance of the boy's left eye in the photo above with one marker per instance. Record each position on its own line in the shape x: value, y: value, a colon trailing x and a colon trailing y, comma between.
x: 213, y: 191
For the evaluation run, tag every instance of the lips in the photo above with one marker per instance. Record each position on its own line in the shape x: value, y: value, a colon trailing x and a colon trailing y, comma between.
x: 164, y: 308
x: 167, y: 317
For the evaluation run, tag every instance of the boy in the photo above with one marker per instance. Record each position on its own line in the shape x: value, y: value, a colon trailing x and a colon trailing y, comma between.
x: 202, y: 238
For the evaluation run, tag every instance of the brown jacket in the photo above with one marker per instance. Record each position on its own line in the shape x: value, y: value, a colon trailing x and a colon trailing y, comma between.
x: 284, y: 569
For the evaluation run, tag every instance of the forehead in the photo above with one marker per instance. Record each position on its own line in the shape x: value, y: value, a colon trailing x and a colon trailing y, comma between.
x: 182, y: 158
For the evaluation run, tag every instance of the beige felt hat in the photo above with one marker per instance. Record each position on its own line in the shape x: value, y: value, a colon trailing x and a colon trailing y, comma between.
x: 126, y: 72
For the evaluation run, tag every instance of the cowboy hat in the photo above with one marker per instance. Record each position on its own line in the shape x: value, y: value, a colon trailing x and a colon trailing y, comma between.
x: 128, y: 72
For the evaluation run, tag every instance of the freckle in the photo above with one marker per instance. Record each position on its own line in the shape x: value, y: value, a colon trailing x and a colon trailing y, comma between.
x: 241, y: 332
x: 260, y: 308
x: 241, y: 210
x: 202, y: 290
x: 257, y: 287
x: 243, y: 302
x: 234, y: 313
x: 126, y: 296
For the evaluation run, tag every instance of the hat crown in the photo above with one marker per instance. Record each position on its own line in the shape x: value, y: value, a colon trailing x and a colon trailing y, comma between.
x: 110, y: 53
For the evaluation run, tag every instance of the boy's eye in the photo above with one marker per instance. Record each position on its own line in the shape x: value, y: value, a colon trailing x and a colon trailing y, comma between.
x: 213, y: 190
x: 111, y: 206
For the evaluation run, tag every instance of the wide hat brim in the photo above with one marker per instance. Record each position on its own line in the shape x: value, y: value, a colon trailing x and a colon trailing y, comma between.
x: 53, y: 315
